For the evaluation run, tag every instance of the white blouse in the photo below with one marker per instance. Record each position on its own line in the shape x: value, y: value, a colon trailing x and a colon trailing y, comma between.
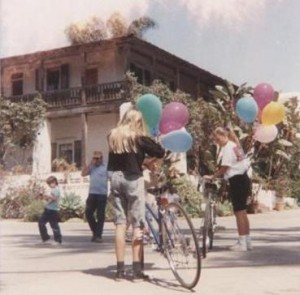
x: 234, y: 158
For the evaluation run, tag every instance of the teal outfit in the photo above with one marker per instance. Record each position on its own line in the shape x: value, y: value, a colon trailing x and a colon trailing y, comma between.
x: 50, y: 215
x: 54, y: 205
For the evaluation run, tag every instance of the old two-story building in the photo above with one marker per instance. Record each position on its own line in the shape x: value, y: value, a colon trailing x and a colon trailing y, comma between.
x: 84, y: 87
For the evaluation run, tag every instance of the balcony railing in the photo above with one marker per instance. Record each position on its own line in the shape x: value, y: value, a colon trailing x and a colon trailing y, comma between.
x: 63, y: 98
x: 106, y: 92
x: 24, y: 98
x: 80, y: 96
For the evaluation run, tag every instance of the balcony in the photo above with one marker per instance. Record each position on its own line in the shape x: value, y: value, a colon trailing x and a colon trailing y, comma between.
x: 80, y: 96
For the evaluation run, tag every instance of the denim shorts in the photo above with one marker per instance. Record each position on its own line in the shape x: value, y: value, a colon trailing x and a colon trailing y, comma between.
x: 128, y: 194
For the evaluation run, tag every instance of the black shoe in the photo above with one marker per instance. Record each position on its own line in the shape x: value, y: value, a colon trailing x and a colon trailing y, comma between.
x: 120, y: 275
x: 96, y: 239
x: 140, y: 276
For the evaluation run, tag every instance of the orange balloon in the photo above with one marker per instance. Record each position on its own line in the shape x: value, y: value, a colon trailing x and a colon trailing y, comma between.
x: 273, y: 113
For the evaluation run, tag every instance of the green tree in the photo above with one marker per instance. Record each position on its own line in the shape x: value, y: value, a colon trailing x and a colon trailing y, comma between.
x: 19, y: 124
x: 95, y: 29
x: 270, y: 161
x: 90, y: 31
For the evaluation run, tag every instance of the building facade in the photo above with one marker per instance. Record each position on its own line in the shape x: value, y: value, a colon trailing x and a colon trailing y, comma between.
x: 84, y: 87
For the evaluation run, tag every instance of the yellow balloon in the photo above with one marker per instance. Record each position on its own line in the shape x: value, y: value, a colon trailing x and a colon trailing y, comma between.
x: 273, y: 113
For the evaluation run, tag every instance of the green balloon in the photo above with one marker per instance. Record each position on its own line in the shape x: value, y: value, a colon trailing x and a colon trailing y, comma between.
x: 151, y: 108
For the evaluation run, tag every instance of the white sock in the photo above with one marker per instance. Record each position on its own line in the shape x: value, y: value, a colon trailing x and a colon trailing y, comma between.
x: 242, y: 240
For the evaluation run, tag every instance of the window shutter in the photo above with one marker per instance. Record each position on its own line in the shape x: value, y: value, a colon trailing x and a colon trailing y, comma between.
x: 64, y: 69
x: 77, y: 153
x: 37, y: 79
x: 53, y: 151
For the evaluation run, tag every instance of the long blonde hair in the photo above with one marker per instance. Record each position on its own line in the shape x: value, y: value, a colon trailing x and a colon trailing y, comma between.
x: 122, y: 139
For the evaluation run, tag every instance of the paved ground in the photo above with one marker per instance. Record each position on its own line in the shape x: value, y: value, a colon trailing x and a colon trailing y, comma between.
x: 81, y: 267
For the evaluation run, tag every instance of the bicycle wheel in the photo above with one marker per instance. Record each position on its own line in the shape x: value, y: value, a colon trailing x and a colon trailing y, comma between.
x: 181, y: 245
x: 205, y: 231
x: 211, y: 226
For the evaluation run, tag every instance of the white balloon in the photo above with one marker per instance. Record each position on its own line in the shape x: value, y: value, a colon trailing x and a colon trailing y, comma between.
x: 265, y: 133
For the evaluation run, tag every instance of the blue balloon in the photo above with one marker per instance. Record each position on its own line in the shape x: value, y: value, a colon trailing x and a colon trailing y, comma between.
x: 247, y: 109
x: 178, y: 141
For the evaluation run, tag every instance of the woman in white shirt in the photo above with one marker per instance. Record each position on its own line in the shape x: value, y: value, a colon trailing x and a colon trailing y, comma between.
x: 233, y: 167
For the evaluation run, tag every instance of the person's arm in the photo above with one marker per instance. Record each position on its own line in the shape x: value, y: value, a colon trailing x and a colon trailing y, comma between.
x: 87, y: 169
x: 220, y: 172
x: 52, y: 197
x: 151, y: 148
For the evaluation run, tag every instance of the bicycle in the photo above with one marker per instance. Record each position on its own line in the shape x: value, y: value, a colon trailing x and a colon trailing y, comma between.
x: 208, y: 226
x: 173, y: 235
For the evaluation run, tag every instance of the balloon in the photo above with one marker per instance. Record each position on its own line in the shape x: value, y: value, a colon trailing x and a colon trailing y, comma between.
x: 178, y: 141
x: 176, y: 112
x: 168, y: 126
x: 151, y: 108
x: 154, y: 131
x: 263, y: 94
x: 273, y: 113
x: 265, y: 133
x: 247, y: 109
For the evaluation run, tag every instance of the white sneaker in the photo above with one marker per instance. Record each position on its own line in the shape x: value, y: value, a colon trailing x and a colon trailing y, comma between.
x: 45, y: 243
x: 239, y: 247
x: 249, y: 245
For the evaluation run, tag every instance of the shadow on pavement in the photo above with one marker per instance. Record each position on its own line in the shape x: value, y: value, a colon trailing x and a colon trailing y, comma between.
x: 109, y: 273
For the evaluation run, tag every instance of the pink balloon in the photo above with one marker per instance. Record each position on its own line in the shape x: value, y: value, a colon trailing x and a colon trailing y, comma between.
x: 175, y: 112
x: 168, y: 126
x: 265, y: 133
x: 263, y: 94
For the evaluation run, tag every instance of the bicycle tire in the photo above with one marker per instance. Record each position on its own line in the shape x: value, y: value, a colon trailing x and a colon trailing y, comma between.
x: 211, y: 229
x: 205, y: 231
x: 181, y: 245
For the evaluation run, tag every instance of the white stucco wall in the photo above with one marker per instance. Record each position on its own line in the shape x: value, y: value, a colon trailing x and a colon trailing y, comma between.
x: 65, y: 129
x: 98, y: 129
x: 42, y: 151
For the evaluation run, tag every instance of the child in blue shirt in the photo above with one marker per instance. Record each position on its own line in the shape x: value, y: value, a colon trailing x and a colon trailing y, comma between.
x: 50, y: 213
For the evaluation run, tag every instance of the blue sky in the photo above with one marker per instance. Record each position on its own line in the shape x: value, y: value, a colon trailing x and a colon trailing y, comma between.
x: 249, y: 41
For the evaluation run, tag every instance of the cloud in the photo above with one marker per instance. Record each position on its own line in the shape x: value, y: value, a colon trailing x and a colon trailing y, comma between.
x: 230, y: 13
x: 31, y: 25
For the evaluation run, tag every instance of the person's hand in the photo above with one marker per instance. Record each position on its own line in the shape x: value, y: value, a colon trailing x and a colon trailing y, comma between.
x: 40, y: 196
x: 151, y: 163
x: 208, y: 177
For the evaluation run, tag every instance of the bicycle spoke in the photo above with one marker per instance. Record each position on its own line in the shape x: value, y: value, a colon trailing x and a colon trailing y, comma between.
x: 181, y: 246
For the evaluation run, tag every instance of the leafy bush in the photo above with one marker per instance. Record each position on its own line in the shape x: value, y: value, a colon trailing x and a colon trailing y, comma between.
x: 33, y: 211
x: 224, y: 209
x: 190, y: 198
x: 71, y: 206
x: 295, y: 189
x: 16, y: 200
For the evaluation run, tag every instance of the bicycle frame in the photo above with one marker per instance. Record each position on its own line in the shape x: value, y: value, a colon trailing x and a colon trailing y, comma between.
x: 157, y: 216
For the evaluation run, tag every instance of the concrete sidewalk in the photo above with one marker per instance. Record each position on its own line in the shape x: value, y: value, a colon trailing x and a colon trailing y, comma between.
x: 82, y: 267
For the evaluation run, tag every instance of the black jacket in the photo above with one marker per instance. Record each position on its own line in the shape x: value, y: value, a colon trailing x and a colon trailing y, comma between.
x: 132, y: 162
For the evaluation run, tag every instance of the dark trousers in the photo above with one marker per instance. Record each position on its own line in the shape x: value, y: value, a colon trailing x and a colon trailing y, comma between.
x: 52, y: 217
x: 96, y: 203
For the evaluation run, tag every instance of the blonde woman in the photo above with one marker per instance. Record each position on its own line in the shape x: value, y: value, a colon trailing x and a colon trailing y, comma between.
x: 233, y: 167
x: 128, y: 146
